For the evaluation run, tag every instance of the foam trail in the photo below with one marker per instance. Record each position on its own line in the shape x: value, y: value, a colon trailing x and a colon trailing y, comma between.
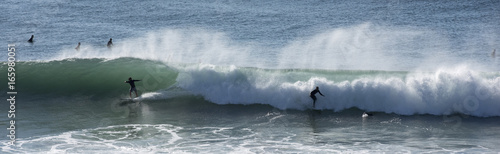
x: 168, y: 93
x: 109, y: 138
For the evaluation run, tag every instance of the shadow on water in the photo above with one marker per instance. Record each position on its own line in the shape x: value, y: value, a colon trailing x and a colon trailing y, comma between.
x: 312, y: 120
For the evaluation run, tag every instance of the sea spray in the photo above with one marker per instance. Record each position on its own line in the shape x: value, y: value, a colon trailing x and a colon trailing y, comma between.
x: 366, y: 46
x: 178, y: 46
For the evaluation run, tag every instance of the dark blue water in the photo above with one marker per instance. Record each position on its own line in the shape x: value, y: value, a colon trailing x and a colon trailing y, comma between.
x: 465, y: 29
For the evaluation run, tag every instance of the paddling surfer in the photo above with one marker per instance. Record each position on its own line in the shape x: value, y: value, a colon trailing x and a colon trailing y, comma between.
x: 31, y: 39
x: 110, y: 43
x: 132, y: 86
x: 312, y: 95
x: 78, y: 47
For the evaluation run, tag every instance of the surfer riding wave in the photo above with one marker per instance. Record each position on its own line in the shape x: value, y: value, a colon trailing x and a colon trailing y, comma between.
x: 132, y: 86
x: 312, y: 95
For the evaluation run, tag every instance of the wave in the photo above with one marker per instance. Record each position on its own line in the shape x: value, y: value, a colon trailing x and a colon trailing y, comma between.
x: 99, y: 77
x: 209, y: 64
x: 442, y: 92
x: 446, y: 91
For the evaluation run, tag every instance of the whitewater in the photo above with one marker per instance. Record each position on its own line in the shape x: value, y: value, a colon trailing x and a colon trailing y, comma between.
x: 235, y: 77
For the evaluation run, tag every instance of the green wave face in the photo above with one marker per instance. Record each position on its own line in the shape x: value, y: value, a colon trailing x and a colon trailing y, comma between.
x: 90, y: 76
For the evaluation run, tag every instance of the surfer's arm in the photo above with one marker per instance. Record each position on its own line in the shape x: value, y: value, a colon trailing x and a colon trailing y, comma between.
x: 320, y: 93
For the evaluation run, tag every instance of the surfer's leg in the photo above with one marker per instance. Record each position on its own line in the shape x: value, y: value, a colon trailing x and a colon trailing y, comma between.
x: 314, y: 100
x: 130, y: 92
x: 134, y: 90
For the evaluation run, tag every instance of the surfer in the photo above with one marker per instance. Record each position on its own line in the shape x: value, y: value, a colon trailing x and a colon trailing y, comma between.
x: 493, y: 53
x: 78, y: 47
x: 312, y: 95
x: 132, y: 86
x: 31, y: 39
x: 110, y: 43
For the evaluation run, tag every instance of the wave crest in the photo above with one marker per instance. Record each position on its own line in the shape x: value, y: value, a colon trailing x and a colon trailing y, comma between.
x: 443, y: 92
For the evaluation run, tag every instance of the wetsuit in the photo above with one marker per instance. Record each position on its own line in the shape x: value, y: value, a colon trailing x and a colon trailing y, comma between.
x: 132, y: 85
x: 312, y: 95
x: 110, y: 43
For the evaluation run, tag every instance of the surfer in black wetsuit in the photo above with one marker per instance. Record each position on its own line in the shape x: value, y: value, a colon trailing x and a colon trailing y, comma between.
x: 312, y: 95
x: 132, y: 86
x: 110, y: 43
x: 31, y: 39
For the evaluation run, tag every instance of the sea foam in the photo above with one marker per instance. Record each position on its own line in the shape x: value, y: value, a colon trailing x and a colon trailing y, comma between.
x: 444, y: 92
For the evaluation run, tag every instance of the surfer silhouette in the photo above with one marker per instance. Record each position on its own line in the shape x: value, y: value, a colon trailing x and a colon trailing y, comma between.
x: 132, y: 86
x: 312, y: 95
x: 493, y: 53
x: 110, y: 43
x: 78, y: 47
x: 31, y: 39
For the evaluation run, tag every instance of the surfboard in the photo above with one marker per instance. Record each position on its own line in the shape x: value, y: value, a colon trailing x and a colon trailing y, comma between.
x: 313, y: 110
x: 138, y: 98
x: 126, y: 101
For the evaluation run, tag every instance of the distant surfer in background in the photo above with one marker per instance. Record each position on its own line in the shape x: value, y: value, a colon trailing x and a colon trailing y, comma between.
x: 31, y: 39
x: 493, y: 53
x: 110, y: 43
x: 78, y: 47
x: 132, y: 86
x: 312, y: 95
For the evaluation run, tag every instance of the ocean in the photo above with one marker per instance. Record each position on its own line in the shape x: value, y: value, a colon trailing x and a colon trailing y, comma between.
x: 222, y: 76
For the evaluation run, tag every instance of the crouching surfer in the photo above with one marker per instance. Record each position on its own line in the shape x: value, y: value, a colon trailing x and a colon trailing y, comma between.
x: 312, y: 95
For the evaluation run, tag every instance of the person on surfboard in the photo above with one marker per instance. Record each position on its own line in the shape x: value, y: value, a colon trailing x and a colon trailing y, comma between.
x: 132, y: 86
x: 312, y: 95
